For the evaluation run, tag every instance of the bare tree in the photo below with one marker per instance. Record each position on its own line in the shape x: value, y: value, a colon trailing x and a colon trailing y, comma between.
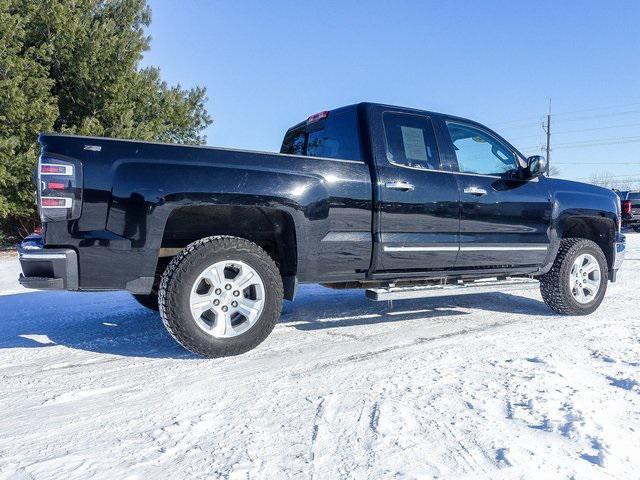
x: 605, y: 179
x: 624, y: 185
x: 602, y: 179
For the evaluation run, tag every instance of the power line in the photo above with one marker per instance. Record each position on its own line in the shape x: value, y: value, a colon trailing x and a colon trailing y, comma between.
x: 562, y: 132
x: 578, y: 119
x: 635, y: 137
x: 601, y: 115
x: 590, y: 143
x: 620, y: 105
x: 538, y: 117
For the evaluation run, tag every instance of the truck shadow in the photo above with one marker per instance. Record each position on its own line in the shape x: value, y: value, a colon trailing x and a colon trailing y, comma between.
x: 110, y: 322
x: 113, y: 323
x: 331, y: 308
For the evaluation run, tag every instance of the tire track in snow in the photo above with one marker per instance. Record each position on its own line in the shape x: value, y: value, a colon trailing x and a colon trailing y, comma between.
x: 315, y: 428
x: 360, y: 357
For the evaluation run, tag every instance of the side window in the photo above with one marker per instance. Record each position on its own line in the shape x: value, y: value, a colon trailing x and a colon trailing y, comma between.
x: 410, y: 141
x: 478, y: 152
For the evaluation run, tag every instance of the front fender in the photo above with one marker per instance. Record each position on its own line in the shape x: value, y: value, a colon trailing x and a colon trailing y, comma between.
x: 582, y: 208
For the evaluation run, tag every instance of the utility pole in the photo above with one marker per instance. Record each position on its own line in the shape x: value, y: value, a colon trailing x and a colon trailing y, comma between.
x: 547, y: 129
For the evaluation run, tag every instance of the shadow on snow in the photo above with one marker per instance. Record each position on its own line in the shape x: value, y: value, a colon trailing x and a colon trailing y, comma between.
x: 114, y: 323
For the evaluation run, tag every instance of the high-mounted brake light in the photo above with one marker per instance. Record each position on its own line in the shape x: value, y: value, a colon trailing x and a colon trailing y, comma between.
x: 626, y: 207
x: 317, y: 117
x: 53, y: 169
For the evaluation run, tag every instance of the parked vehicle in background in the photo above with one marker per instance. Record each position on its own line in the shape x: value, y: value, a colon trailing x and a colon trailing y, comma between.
x: 631, y: 211
x: 384, y: 198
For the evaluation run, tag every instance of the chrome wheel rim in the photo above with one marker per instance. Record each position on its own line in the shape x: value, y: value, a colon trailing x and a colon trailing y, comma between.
x: 227, y: 299
x: 585, y: 278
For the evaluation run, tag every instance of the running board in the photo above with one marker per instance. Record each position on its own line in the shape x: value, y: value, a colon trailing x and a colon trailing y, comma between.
x: 478, y: 286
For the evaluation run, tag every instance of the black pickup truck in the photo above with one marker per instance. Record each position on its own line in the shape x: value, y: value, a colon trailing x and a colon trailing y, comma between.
x: 363, y: 196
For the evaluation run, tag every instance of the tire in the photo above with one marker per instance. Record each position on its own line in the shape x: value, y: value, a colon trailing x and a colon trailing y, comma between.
x: 555, y: 285
x: 637, y: 229
x: 189, y: 274
x: 149, y: 301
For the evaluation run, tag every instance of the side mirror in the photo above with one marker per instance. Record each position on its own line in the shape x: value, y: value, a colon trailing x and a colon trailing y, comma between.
x: 536, y: 166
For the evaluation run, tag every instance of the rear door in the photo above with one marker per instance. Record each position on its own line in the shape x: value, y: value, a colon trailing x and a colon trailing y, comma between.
x: 504, y: 221
x: 418, y: 198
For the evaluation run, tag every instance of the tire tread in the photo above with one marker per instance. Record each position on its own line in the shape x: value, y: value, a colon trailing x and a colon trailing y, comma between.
x: 173, y: 282
x: 552, y: 286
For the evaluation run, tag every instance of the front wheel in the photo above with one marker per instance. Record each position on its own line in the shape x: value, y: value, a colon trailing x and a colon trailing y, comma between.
x: 221, y: 296
x: 577, y: 282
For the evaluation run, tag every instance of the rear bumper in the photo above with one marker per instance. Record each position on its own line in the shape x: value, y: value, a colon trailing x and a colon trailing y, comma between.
x: 47, y: 268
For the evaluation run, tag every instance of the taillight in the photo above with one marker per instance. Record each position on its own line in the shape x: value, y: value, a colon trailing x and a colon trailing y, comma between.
x: 53, y: 169
x: 59, y: 189
x: 626, y: 207
x: 55, y: 185
x: 56, y: 202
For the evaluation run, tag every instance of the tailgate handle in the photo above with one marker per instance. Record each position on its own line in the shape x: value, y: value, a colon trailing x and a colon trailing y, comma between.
x: 475, y: 191
x: 404, y: 186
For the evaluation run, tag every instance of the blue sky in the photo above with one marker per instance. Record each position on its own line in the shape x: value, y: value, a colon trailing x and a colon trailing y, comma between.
x: 270, y: 64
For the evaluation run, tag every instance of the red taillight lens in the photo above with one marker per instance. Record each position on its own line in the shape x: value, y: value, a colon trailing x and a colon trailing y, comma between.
x: 626, y: 207
x: 56, y: 202
x: 53, y: 169
x: 55, y: 185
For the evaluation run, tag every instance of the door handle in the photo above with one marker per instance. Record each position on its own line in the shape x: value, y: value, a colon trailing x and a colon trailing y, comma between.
x: 404, y: 186
x: 475, y: 191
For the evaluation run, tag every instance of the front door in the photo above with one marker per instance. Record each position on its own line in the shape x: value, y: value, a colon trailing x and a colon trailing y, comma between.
x: 418, y: 199
x: 504, y: 221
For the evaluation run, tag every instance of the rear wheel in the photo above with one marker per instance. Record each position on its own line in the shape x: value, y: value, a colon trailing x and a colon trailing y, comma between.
x: 577, y: 282
x: 221, y: 296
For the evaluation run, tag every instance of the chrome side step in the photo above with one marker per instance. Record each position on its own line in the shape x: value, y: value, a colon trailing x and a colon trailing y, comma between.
x: 466, y: 288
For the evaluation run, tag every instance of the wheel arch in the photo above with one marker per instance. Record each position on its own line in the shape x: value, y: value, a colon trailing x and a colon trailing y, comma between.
x: 600, y: 229
x: 270, y: 228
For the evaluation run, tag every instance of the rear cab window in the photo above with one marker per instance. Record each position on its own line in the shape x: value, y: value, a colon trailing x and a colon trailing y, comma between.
x: 332, y: 134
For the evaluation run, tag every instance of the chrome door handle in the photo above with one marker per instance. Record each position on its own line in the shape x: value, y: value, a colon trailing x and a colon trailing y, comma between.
x: 404, y: 186
x: 475, y: 191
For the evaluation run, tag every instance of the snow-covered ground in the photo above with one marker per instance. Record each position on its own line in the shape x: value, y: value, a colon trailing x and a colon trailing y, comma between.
x: 481, y: 386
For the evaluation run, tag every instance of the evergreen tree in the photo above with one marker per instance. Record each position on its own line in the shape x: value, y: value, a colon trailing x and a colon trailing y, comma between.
x: 72, y: 66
